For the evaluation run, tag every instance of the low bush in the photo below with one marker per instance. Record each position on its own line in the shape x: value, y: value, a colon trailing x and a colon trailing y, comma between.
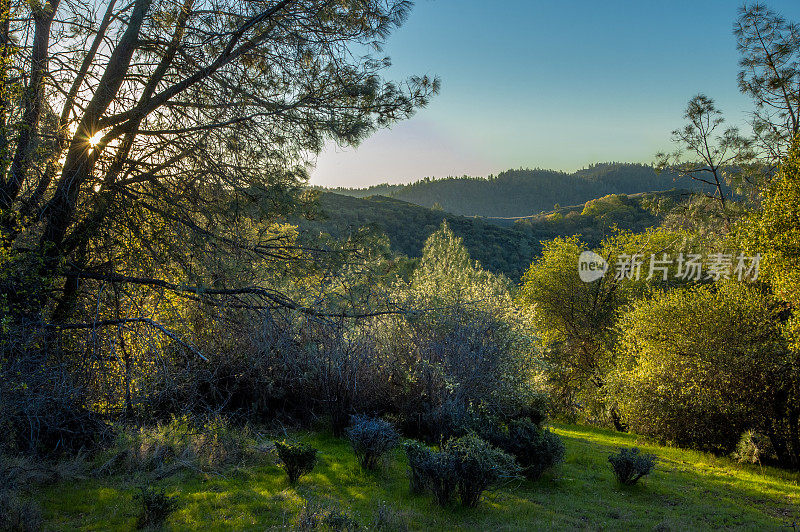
x: 371, y: 439
x: 753, y: 448
x: 418, y: 454
x: 535, y: 449
x: 17, y: 515
x: 156, y: 506
x: 432, y: 471
x: 298, y: 459
x: 314, y: 517
x: 478, y: 466
x: 629, y: 466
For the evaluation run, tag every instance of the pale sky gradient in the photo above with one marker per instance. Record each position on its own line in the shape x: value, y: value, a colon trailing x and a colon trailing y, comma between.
x: 548, y: 84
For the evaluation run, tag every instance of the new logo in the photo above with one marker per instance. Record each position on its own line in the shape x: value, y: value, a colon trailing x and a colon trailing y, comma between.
x: 591, y: 266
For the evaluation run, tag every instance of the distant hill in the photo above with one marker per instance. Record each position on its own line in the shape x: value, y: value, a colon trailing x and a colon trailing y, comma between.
x: 597, y: 218
x: 527, y: 192
x: 507, y: 250
x: 501, y: 245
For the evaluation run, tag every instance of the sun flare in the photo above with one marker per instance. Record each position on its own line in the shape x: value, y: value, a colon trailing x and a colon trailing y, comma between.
x: 95, y: 140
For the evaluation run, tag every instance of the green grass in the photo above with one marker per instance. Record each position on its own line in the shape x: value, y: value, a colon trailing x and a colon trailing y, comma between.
x: 689, y: 490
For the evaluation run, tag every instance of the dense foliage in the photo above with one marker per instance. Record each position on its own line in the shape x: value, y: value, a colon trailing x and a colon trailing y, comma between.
x: 600, y: 218
x: 535, y: 449
x: 467, y: 464
x: 431, y: 470
x: 478, y: 466
x: 165, y: 273
x: 499, y: 249
x: 700, y: 366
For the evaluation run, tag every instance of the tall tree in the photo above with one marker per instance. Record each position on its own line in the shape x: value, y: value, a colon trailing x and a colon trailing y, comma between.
x: 709, y: 153
x: 769, y: 48
x: 139, y: 135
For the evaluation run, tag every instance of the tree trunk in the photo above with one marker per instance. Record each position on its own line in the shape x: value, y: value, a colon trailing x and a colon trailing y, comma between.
x: 794, y: 432
x: 32, y: 101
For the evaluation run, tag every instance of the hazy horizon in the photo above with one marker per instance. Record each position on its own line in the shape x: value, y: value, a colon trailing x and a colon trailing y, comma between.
x: 484, y: 176
x: 521, y: 88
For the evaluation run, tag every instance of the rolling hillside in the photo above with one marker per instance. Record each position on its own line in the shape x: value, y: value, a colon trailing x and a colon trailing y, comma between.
x: 507, y: 250
x: 501, y: 245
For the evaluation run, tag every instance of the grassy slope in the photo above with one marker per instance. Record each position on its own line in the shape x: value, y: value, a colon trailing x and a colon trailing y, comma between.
x: 689, y: 490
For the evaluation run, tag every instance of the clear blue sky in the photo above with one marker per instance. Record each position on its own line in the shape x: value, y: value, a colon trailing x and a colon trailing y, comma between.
x: 551, y: 84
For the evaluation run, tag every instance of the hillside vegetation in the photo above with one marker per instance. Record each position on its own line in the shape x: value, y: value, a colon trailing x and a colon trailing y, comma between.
x: 525, y: 192
x: 501, y: 245
x: 505, y: 250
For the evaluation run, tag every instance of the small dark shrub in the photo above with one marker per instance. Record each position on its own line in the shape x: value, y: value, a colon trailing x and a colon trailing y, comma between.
x: 298, y: 459
x: 418, y: 454
x: 441, y: 477
x: 431, y: 470
x: 313, y: 517
x: 629, y: 466
x: 535, y: 449
x: 371, y: 439
x: 389, y: 520
x: 156, y: 507
x: 478, y: 466
x: 17, y: 515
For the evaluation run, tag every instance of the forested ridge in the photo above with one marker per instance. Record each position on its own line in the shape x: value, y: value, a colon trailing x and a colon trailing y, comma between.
x: 525, y: 192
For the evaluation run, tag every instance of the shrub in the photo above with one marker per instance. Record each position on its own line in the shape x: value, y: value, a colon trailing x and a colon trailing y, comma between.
x: 535, y: 449
x: 418, y: 454
x: 478, y: 466
x: 165, y: 448
x: 18, y: 516
x: 431, y: 470
x: 298, y: 459
x: 697, y: 367
x: 156, y: 507
x: 441, y: 477
x: 629, y: 466
x: 371, y: 439
x: 313, y: 517
x: 753, y: 448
